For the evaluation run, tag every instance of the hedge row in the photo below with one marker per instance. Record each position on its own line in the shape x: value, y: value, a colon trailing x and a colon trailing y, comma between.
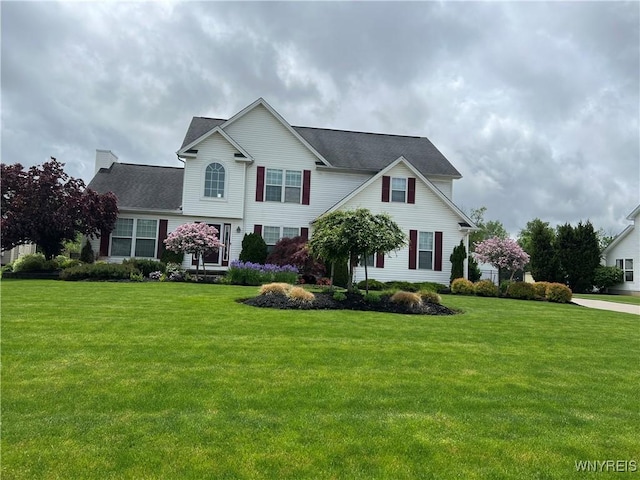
x: 553, y: 292
x: 404, y: 286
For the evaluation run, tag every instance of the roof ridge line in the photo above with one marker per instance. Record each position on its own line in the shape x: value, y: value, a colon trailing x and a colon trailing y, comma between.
x: 359, y: 131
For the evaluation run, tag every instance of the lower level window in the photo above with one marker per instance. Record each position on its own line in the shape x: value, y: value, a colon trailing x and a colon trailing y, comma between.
x: 626, y: 265
x: 369, y: 260
x: 425, y: 250
x: 271, y: 235
x: 134, y: 238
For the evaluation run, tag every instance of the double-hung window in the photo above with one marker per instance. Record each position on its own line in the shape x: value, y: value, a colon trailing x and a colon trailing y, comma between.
x: 425, y: 250
x: 271, y: 235
x: 369, y: 260
x: 399, y: 190
x: 276, y: 179
x: 626, y: 265
x: 134, y: 238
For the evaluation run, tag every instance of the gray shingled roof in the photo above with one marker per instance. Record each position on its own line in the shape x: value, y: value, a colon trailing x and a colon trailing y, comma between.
x: 356, y: 150
x: 198, y: 127
x: 141, y: 186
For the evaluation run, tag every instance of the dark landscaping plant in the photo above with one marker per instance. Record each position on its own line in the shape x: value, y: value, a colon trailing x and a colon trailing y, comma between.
x: 45, y: 206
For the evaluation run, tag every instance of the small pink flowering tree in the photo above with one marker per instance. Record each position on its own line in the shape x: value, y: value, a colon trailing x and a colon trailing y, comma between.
x: 198, y: 239
x: 501, y: 253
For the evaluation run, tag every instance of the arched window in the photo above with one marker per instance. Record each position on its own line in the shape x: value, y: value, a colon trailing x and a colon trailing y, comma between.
x: 214, y: 181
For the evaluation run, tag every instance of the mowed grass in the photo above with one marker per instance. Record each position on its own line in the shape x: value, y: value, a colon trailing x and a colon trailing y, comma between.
x: 610, y: 298
x: 178, y: 381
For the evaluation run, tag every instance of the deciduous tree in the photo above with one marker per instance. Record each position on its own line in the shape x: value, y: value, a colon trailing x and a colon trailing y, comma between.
x: 355, y: 234
x: 502, y: 253
x: 198, y: 239
x: 45, y: 206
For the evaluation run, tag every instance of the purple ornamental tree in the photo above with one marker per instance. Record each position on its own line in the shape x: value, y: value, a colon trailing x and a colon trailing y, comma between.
x: 198, y: 239
x: 501, y: 253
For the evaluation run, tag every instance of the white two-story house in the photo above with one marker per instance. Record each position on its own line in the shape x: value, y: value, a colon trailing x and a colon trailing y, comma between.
x: 256, y: 173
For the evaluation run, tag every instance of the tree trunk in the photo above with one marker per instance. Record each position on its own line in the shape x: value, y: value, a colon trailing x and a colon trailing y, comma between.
x: 366, y: 275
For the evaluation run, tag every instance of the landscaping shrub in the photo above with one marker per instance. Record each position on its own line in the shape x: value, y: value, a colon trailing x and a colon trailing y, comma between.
x: 33, y: 262
x: 275, y: 288
x: 371, y: 298
x: 157, y: 275
x: 299, y: 293
x: 504, y: 286
x: 323, y: 281
x: 559, y: 293
x: 429, y: 296
x: 175, y: 273
x: 605, y: 277
x: 86, y: 254
x: 404, y: 286
x: 341, y: 274
x: 145, y: 265
x: 540, y: 288
x: 373, y: 285
x: 433, y: 286
x: 295, y: 251
x: 254, y: 250
x: 98, y: 271
x: 521, y: 290
x: 486, y: 288
x: 462, y: 286
x: 64, y: 262
x: 136, y: 276
x: 247, y: 273
x: 169, y: 256
x: 339, y: 296
x: 407, y: 298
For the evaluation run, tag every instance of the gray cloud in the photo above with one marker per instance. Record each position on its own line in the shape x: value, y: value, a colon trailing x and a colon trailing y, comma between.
x: 537, y: 104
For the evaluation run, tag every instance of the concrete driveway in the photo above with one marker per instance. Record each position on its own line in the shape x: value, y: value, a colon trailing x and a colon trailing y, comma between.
x: 602, y: 305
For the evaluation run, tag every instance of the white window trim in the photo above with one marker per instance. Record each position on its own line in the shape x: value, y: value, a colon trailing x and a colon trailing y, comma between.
x: 283, y: 185
x: 418, y: 250
x: 391, y: 189
x: 204, y: 177
x: 132, y: 249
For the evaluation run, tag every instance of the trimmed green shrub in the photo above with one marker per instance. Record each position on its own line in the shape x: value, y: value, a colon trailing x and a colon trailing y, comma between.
x: 169, y: 256
x: 486, y: 288
x: 145, y: 265
x: 521, y: 290
x: 339, y: 297
x: 559, y: 293
x: 98, y: 271
x: 403, y: 286
x: 462, y: 286
x: 33, y: 262
x: 254, y: 249
x: 86, y: 254
x: 541, y: 289
x: 341, y: 274
x: 428, y: 296
x: 371, y: 298
x: 373, y: 285
x: 457, y: 261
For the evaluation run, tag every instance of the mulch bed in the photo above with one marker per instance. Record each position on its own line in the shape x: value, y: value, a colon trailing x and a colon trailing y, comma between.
x: 354, y: 301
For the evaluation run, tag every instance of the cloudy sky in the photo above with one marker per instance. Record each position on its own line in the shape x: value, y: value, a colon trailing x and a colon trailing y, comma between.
x: 536, y: 104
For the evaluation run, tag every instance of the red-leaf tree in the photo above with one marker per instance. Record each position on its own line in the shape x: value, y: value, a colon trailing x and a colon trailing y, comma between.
x: 295, y: 251
x: 45, y: 206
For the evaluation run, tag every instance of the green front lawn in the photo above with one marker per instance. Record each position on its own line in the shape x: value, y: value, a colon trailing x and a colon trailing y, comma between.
x: 610, y: 298
x: 168, y: 380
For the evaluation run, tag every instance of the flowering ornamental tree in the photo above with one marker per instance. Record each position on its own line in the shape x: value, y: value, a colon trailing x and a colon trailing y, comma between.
x: 501, y: 253
x: 198, y: 239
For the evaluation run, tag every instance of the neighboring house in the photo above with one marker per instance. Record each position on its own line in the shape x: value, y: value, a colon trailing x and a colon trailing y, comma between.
x: 624, y: 253
x: 9, y: 256
x: 256, y: 173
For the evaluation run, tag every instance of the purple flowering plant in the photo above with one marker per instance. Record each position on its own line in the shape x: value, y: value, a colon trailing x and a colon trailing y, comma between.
x: 249, y: 273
